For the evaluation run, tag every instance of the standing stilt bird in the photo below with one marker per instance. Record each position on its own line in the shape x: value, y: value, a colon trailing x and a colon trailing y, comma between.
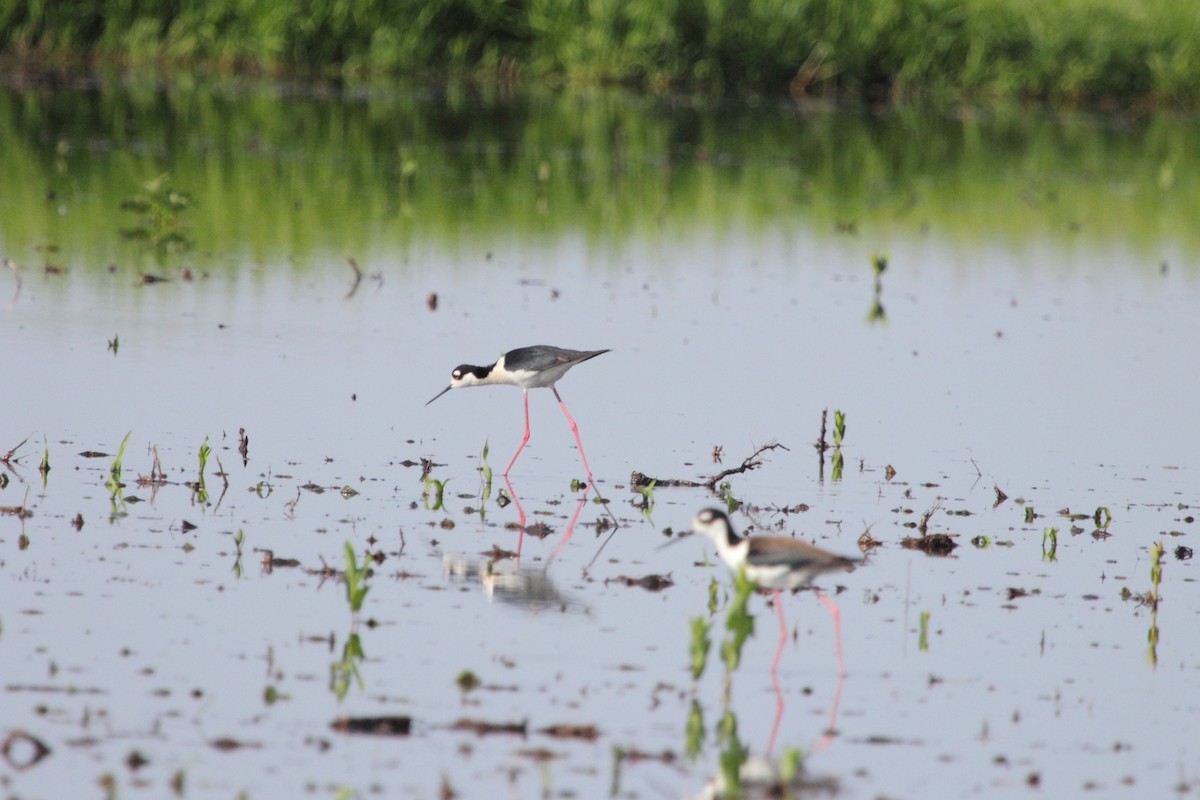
x: 773, y: 562
x: 529, y: 368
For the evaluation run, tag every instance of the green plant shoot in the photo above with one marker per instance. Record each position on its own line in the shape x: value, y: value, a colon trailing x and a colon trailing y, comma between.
x: 113, y: 484
x: 1049, y: 544
x: 356, y: 589
x: 738, y: 621
x: 700, y: 644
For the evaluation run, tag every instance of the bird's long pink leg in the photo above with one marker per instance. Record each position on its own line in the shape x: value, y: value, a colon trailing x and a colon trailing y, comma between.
x: 525, y: 438
x: 778, y: 599
x: 574, y: 430
x: 837, y: 629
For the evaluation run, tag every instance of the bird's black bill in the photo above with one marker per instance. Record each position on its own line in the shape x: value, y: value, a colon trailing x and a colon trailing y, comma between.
x: 439, y: 394
x: 679, y: 537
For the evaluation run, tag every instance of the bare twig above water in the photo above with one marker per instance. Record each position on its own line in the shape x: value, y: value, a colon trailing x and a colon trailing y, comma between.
x: 225, y: 478
x: 11, y: 454
x: 358, y: 276
x: 749, y: 463
x: 923, y: 526
x: 639, y: 480
x: 820, y: 444
x: 16, y: 271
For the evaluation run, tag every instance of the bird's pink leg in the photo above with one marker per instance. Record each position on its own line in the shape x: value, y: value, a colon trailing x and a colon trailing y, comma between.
x: 777, y: 597
x: 525, y: 438
x: 837, y: 629
x: 574, y: 430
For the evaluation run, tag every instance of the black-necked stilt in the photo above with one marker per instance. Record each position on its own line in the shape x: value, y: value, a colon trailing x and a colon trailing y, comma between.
x: 773, y: 562
x: 529, y: 368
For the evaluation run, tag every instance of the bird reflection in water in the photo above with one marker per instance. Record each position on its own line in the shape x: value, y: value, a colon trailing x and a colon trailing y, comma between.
x: 530, y: 588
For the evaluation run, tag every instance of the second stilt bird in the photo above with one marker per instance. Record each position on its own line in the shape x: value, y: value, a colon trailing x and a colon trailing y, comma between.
x: 777, y: 563
x: 533, y: 367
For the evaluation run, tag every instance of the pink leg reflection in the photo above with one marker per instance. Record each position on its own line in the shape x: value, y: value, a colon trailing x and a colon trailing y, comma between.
x: 566, y: 537
x: 520, y: 514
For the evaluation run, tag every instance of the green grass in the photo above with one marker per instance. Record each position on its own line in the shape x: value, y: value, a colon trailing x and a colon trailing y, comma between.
x: 1074, y: 50
x: 307, y: 179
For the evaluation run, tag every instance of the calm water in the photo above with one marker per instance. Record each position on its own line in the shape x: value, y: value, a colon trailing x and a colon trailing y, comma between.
x: 1033, y: 332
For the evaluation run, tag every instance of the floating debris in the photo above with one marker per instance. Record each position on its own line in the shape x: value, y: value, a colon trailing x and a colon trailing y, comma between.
x: 228, y: 744
x: 484, y: 728
x: 933, y: 544
x: 20, y: 740
x: 651, y: 583
x: 665, y: 757
x: 538, y: 530
x: 588, y: 733
x: 498, y: 553
x: 391, y: 725
x: 539, y: 754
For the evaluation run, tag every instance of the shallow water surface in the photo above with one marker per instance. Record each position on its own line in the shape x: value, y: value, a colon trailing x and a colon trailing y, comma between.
x: 205, y: 646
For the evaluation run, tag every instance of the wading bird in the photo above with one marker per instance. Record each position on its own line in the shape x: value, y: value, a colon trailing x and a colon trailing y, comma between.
x: 773, y: 562
x: 534, y: 367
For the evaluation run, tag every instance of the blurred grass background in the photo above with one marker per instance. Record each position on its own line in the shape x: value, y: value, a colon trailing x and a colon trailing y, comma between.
x: 293, y: 173
x: 1079, y: 51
